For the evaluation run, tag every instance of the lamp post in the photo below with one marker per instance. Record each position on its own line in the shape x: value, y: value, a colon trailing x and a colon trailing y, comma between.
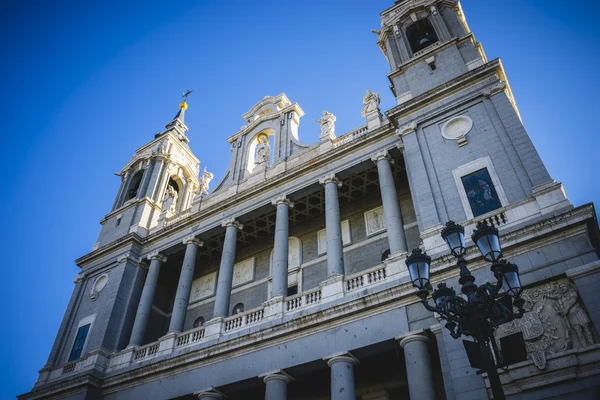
x: 480, y: 309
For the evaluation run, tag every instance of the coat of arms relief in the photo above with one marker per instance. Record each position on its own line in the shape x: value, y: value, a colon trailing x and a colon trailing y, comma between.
x: 555, y: 321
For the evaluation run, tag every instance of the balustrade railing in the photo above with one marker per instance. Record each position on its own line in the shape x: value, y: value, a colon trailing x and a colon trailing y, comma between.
x: 246, y: 318
x: 67, y: 369
x: 365, y: 278
x: 350, y: 136
x: 178, y: 217
x: 302, y: 300
x: 146, y: 351
x: 189, y: 337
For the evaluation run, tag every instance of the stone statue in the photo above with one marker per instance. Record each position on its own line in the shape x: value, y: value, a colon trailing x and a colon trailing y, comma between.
x: 370, y: 103
x: 327, y: 123
x: 263, y: 151
x: 170, y: 200
x: 204, y: 181
x: 574, y: 317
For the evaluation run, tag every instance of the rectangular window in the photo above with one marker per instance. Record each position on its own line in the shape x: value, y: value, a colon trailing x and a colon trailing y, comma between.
x: 82, y: 333
x: 481, y: 192
x: 292, y: 290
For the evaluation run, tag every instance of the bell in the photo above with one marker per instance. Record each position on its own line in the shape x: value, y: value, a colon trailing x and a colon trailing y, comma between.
x: 425, y: 42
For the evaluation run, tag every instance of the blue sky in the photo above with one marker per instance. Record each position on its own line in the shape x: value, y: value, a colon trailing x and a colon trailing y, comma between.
x: 83, y: 85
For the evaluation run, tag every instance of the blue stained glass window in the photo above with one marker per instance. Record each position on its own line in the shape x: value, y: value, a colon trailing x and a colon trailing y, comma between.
x: 481, y: 192
x: 82, y: 333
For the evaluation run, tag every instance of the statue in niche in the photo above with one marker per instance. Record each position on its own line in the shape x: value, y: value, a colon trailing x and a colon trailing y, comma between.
x: 574, y: 317
x: 204, y: 181
x: 370, y: 103
x: 554, y: 317
x: 263, y: 151
x: 375, y: 222
x: 327, y: 124
x: 170, y: 200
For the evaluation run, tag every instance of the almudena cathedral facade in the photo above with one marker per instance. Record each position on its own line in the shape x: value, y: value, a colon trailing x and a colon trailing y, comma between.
x: 287, y: 278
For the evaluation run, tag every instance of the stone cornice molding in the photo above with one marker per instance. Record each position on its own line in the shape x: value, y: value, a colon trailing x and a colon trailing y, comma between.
x: 210, y: 392
x: 416, y: 336
x: 157, y: 256
x: 79, y: 278
x: 282, y: 200
x: 330, y: 178
x: 344, y: 356
x: 193, y: 240
x: 276, y: 375
x: 495, y: 88
x: 406, y: 129
x: 584, y: 270
x: 381, y: 155
x: 232, y: 222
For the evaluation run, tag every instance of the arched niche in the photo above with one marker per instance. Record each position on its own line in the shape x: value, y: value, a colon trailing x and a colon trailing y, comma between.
x: 421, y: 34
x: 134, y: 185
x: 294, y: 254
x: 253, y: 147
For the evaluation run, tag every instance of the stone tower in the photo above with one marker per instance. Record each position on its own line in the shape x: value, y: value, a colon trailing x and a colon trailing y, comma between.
x: 158, y: 182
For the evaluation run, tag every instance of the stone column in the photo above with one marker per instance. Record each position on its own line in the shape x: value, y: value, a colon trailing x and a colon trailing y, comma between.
x: 418, y: 366
x: 391, y: 208
x: 333, y: 229
x: 342, y: 376
x: 145, y: 304
x: 276, y: 384
x: 182, y: 297
x: 146, y: 179
x: 210, y: 393
x: 163, y: 181
x: 280, y: 249
x: 223, y: 295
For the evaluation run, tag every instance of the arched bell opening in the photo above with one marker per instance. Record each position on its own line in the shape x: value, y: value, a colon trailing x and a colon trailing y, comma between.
x: 421, y: 34
x: 134, y: 185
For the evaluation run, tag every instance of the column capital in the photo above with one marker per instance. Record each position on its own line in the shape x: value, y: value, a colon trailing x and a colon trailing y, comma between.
x: 282, y: 200
x: 416, y: 336
x: 344, y: 356
x: 155, y: 255
x: 210, y: 393
x: 277, y: 374
x: 128, y: 257
x: 193, y: 239
x: 232, y: 222
x: 381, y: 155
x: 330, y: 178
x: 408, y: 128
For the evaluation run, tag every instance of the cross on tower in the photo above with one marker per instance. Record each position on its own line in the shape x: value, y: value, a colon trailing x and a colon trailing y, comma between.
x: 186, y: 94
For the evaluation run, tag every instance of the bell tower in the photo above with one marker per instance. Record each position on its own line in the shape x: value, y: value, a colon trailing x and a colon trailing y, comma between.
x: 158, y: 182
x: 426, y: 43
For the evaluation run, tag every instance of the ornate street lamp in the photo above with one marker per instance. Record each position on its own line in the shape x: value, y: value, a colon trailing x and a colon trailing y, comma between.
x: 481, y: 309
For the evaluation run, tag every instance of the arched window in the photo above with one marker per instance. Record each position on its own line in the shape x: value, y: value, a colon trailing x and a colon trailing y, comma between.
x: 238, y: 309
x: 134, y: 185
x: 420, y: 35
x: 385, y: 255
x: 198, y: 322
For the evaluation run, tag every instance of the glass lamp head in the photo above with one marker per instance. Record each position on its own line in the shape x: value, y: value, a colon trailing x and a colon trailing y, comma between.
x: 443, y: 294
x: 487, y: 239
x: 508, y: 274
x: 454, y: 236
x: 418, y: 264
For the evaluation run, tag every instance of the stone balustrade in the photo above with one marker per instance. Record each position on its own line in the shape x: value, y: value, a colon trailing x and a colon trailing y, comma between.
x: 178, y: 217
x: 365, y: 278
x: 241, y: 320
x: 189, y: 337
x: 147, y: 351
x: 350, y: 136
x: 302, y: 300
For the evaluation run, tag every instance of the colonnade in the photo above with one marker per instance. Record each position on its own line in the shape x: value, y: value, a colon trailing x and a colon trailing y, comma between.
x: 421, y: 384
x: 335, y: 255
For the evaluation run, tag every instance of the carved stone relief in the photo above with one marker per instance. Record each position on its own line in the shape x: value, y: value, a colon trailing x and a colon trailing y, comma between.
x: 99, y: 284
x: 554, y: 321
x: 203, y: 287
x: 243, y: 272
x: 374, y: 221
